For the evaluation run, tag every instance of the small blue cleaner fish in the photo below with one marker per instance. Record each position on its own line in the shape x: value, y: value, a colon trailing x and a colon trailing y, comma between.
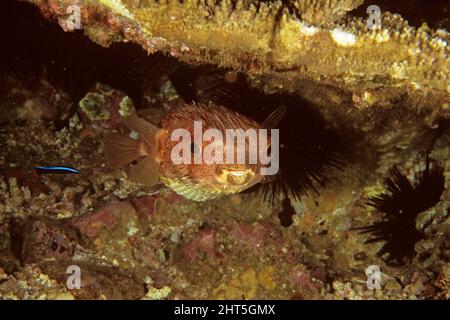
x: 55, y: 169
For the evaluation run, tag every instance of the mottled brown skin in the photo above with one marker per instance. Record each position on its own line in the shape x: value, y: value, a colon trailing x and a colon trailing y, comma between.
x: 210, y: 180
x: 152, y: 152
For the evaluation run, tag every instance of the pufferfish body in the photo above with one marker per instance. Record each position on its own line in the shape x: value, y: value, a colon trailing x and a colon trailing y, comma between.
x: 153, y: 151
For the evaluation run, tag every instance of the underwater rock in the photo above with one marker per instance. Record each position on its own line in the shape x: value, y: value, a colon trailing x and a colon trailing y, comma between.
x: 145, y: 207
x: 267, y: 41
x: 31, y: 284
x: 47, y: 240
x: 104, y: 107
x: 323, y: 12
x: 204, y: 242
x: 108, y: 216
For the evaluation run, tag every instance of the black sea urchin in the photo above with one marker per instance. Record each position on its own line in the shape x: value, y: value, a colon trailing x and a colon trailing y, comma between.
x: 400, y: 208
x: 308, y: 149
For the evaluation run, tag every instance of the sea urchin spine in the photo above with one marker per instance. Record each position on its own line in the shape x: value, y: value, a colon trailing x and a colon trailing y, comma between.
x: 400, y: 208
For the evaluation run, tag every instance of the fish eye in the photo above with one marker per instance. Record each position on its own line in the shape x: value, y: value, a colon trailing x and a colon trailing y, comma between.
x: 194, y: 148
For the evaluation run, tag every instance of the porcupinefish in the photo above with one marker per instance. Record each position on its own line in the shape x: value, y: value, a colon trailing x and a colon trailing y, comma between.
x: 153, y: 152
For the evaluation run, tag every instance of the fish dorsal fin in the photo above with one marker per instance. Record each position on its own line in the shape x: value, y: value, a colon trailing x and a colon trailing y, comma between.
x: 152, y: 115
x: 145, y: 129
x: 274, y: 118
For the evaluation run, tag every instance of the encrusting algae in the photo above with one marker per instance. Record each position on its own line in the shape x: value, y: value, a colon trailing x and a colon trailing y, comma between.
x: 265, y: 39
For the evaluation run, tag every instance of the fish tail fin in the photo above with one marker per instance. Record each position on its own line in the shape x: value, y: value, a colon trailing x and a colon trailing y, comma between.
x: 121, y: 150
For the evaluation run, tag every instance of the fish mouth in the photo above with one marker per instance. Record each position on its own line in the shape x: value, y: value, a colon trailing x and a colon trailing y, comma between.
x: 235, y: 176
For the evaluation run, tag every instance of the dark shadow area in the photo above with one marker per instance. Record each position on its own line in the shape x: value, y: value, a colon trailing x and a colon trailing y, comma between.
x: 34, y: 47
x: 435, y: 13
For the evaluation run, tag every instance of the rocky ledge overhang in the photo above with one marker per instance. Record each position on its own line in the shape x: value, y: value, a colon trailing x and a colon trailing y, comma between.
x: 281, y: 47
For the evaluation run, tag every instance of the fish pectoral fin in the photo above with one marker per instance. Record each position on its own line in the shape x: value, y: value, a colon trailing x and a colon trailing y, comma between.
x: 121, y: 150
x: 146, y: 171
x: 147, y: 131
x: 274, y: 118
